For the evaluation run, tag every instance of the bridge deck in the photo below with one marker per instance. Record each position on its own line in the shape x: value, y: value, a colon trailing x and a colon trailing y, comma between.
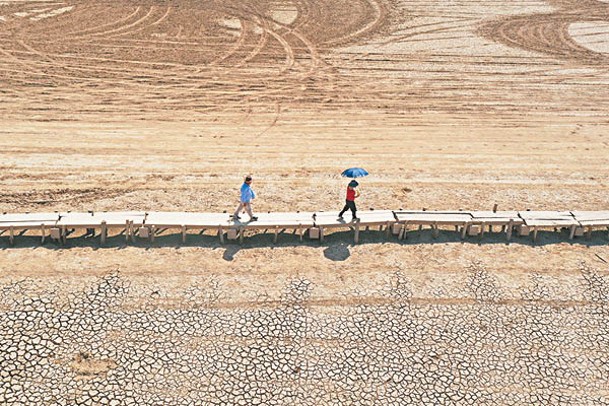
x: 222, y: 222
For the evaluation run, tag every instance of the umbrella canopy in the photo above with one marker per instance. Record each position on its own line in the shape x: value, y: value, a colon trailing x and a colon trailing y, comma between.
x: 354, y: 173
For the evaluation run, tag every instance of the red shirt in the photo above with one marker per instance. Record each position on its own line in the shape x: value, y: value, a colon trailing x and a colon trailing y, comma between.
x: 350, y: 194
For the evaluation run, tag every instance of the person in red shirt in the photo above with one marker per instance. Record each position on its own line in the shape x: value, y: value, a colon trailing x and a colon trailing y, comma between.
x: 352, y: 194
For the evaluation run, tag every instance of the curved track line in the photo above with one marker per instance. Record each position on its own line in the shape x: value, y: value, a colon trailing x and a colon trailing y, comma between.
x: 304, y: 13
x: 238, y: 44
x: 305, y: 41
x: 131, y: 32
x: 35, y: 51
x: 315, y: 58
x: 160, y: 20
x: 125, y: 73
x: 54, y: 63
x: 91, y: 30
x: 266, y: 25
x: 547, y: 33
x: 128, y: 26
x: 14, y: 58
x: 127, y: 61
x: 417, y: 33
x: 378, y: 15
x: 289, y: 62
x: 273, y: 123
x: 259, y: 46
x: 38, y: 72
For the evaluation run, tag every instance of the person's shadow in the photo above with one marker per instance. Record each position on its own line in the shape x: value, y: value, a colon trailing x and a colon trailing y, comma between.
x: 338, y: 252
x: 230, y: 252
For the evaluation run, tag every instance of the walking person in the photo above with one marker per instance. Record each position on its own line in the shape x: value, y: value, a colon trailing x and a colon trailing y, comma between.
x: 352, y: 194
x: 247, y: 195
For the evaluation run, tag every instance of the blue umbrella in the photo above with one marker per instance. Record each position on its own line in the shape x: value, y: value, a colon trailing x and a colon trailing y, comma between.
x: 354, y: 173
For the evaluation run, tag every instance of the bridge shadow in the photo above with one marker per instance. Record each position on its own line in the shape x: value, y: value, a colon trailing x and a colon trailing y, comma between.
x: 544, y: 238
x: 337, y: 245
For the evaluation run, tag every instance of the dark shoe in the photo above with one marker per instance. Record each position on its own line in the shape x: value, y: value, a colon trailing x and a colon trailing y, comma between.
x: 254, y: 218
x: 340, y: 218
x: 236, y: 217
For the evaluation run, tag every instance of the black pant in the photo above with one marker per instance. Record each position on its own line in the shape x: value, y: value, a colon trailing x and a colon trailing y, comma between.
x: 349, y: 205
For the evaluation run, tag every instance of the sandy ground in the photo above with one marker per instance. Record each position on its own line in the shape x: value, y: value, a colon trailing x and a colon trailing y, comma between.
x: 155, y: 105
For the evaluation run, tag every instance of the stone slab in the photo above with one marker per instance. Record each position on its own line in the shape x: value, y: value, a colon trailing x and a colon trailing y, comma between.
x: 431, y: 217
x: 551, y: 222
x: 283, y: 220
x: 496, y: 218
x: 22, y: 225
x: 591, y: 215
x: 188, y: 219
x: 28, y: 217
x: 594, y: 223
x: 545, y: 215
x: 367, y: 218
x: 112, y: 219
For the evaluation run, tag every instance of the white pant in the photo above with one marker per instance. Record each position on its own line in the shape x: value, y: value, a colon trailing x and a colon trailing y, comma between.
x: 246, y: 206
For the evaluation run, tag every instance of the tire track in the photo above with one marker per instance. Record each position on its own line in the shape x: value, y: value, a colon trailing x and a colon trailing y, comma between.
x: 262, y: 41
x: 52, y: 61
x: 415, y: 33
x: 245, y: 27
x: 287, y: 37
x: 289, y: 51
x: 291, y: 60
x: 102, y: 26
x: 549, y: 33
x: 140, y: 29
x: 126, y: 26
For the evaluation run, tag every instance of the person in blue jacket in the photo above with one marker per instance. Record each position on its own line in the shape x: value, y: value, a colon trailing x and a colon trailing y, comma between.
x: 247, y: 195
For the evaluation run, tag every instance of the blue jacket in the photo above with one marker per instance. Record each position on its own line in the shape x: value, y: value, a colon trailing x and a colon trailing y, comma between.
x: 247, y: 193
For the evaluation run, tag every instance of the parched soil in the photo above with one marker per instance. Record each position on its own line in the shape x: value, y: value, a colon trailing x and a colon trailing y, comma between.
x: 151, y: 105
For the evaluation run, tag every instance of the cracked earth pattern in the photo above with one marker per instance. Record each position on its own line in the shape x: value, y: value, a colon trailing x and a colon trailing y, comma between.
x: 114, y: 344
